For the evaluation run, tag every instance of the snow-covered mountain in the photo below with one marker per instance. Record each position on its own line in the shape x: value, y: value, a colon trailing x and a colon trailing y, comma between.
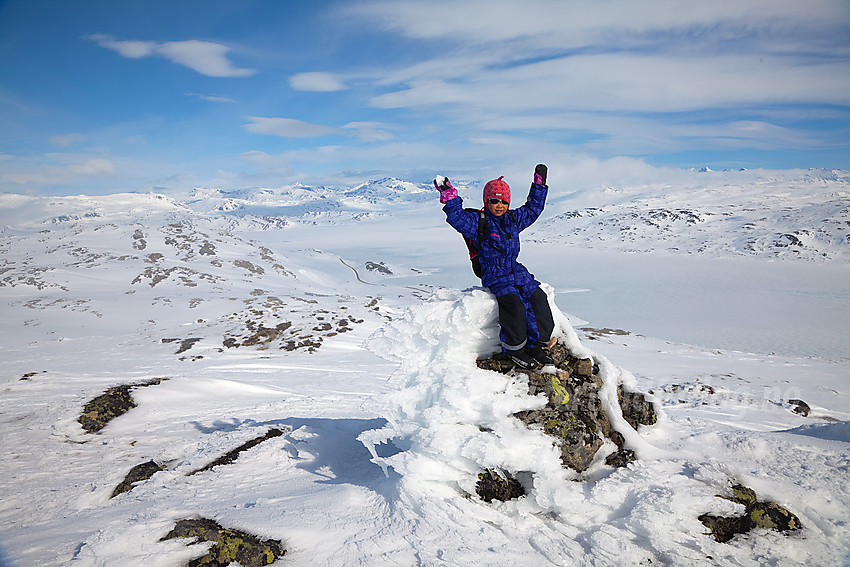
x: 718, y: 214
x: 338, y: 313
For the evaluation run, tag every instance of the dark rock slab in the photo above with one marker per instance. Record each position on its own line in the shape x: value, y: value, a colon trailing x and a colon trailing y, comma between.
x: 574, y: 414
x: 230, y: 545
x: 109, y: 405
x: 498, y: 486
x: 137, y: 474
x: 232, y: 455
x: 758, y: 514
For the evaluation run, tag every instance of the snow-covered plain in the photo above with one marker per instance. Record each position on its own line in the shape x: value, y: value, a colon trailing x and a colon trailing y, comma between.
x: 724, y: 294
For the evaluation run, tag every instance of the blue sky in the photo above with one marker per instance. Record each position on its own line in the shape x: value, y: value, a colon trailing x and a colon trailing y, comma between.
x: 127, y: 95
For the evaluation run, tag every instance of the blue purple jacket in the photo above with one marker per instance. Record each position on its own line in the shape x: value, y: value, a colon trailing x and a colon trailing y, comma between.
x: 501, y: 272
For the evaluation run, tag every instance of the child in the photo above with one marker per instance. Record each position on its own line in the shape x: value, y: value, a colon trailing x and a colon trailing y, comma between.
x: 524, y: 314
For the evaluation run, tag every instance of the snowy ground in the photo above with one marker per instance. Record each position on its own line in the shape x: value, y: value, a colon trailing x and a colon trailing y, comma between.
x: 92, y: 286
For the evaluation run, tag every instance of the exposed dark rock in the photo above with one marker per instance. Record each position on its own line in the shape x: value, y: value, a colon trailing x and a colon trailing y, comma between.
x: 230, y: 545
x: 492, y: 486
x: 800, y: 407
x: 137, y: 474
x: 261, y: 336
x: 231, y: 456
x: 185, y: 344
x: 285, y: 335
x: 109, y: 405
x: 724, y: 528
x: 378, y: 267
x: 595, y: 333
x: 207, y: 249
x: 246, y: 265
x: 29, y: 375
x: 758, y: 514
x: 139, y: 242
x: 574, y: 415
x: 622, y: 456
x: 637, y: 410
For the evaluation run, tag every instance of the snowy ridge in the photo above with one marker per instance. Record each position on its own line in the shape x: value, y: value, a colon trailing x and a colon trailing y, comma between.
x: 819, y: 231
x: 802, y: 215
x: 795, y: 215
x: 311, y: 204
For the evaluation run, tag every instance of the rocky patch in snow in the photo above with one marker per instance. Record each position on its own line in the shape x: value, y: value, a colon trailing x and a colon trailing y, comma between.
x: 232, y: 455
x: 574, y: 415
x: 137, y: 474
x: 109, y: 405
x: 757, y: 514
x: 230, y: 545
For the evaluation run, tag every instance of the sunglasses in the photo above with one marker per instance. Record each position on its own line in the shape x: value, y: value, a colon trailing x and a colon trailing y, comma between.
x: 495, y: 201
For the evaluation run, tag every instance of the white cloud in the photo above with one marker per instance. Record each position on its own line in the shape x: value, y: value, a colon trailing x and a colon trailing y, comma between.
x: 503, y: 58
x: 211, y: 98
x: 317, y: 82
x: 205, y: 57
x: 127, y: 48
x: 369, y: 131
x: 590, y: 22
x: 656, y: 83
x: 289, y: 128
x: 92, y: 166
x: 53, y: 169
x: 292, y: 128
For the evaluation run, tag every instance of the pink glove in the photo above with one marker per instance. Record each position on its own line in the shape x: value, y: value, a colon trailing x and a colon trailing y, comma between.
x: 447, y: 192
x: 540, y: 173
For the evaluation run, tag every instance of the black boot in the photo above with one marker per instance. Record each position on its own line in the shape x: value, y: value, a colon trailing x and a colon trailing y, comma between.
x: 523, y: 359
x: 537, y: 353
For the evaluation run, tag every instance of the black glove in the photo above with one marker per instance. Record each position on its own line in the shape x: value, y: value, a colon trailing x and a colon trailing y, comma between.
x: 540, y: 173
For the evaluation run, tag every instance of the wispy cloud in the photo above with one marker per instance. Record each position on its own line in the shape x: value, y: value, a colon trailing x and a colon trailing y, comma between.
x: 552, y: 25
x: 619, y: 76
x: 317, y: 82
x: 205, y: 57
x: 52, y: 169
x: 292, y: 128
x: 369, y: 131
x: 211, y: 98
x: 657, y: 83
x: 289, y: 128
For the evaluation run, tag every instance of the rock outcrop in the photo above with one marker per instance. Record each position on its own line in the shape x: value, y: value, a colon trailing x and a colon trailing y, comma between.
x: 574, y: 416
x: 137, y: 474
x: 231, y: 546
x: 109, y: 405
x: 758, y: 514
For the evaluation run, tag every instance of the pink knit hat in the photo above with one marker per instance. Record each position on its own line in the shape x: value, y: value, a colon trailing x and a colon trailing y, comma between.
x: 498, y: 189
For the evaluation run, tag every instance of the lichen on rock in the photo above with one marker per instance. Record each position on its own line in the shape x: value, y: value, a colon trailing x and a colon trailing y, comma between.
x: 758, y: 514
x: 574, y: 414
x: 137, y: 474
x: 109, y: 405
x: 230, y: 545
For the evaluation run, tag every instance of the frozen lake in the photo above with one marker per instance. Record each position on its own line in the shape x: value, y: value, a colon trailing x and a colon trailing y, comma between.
x: 743, y: 304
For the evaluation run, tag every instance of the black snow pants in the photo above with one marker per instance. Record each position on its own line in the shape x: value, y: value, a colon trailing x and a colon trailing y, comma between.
x: 525, y: 321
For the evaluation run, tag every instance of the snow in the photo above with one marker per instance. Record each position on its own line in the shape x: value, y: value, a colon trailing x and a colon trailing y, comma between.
x: 386, y: 418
